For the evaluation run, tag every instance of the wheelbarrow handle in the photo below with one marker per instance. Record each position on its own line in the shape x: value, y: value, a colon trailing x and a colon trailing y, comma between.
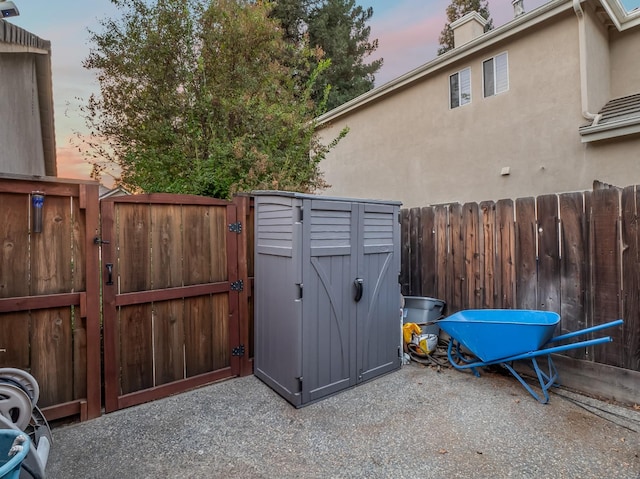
x: 593, y: 329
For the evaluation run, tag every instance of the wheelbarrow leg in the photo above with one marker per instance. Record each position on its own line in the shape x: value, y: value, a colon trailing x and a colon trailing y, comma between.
x: 545, y: 380
x: 454, y: 355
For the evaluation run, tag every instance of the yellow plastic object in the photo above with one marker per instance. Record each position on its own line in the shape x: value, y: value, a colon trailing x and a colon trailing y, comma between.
x: 408, y: 330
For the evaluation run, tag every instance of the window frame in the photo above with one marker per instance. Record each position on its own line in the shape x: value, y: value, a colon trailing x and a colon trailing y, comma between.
x: 495, y: 78
x: 460, y: 93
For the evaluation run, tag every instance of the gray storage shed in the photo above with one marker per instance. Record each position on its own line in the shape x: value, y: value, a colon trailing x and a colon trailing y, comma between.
x: 327, y: 297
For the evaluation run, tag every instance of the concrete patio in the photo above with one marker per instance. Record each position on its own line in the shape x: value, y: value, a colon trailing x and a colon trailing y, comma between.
x: 416, y: 422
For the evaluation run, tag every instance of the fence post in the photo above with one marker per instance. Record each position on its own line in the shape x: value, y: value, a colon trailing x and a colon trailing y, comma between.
x: 242, y: 211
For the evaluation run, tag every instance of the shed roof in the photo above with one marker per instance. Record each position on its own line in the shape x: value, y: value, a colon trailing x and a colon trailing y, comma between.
x: 14, y: 39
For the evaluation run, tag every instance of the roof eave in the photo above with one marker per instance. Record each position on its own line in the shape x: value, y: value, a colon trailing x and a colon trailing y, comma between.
x: 630, y: 126
x: 499, y: 34
x: 619, y: 15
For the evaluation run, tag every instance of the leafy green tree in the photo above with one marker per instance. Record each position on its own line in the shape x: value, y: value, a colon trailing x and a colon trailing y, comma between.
x: 338, y: 29
x: 197, y: 97
x: 293, y: 15
x: 457, y: 9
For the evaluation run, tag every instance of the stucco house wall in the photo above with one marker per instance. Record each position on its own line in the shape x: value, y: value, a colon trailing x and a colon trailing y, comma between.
x: 410, y: 146
x: 625, y: 62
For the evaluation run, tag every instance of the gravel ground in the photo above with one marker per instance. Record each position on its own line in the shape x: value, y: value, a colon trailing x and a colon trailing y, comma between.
x: 413, y: 423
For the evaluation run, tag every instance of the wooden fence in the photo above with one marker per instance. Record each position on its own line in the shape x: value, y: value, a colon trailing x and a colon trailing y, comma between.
x: 49, y: 291
x: 176, y: 278
x: 575, y: 253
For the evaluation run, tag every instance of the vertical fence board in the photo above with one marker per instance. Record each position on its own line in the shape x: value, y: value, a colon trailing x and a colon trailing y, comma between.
x: 14, y: 340
x: 606, y: 287
x: 14, y: 235
x: 51, y: 250
x: 220, y: 330
x: 136, y: 348
x: 488, y: 257
x: 573, y: 272
x: 218, y: 243
x: 548, y: 254
x: 166, y: 246
x: 168, y: 327
x: 78, y: 251
x: 526, y: 281
x: 442, y: 251
x: 456, y: 270
x: 414, y: 235
x: 631, y: 277
x: 133, y: 265
x: 51, y: 355
x: 428, y: 252
x: 198, y: 335
x: 405, y: 270
x: 196, y: 252
x: 473, y: 266
x: 505, y: 247
x: 80, y: 359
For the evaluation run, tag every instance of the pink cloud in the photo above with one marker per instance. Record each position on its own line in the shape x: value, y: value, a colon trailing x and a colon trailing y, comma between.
x: 407, y: 48
x: 73, y: 164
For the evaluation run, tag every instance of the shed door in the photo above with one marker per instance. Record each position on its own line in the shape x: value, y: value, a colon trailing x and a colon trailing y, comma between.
x: 328, y: 270
x: 378, y: 312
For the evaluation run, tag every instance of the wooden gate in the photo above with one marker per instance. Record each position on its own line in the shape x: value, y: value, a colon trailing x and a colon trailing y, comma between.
x: 49, y: 290
x: 173, y: 270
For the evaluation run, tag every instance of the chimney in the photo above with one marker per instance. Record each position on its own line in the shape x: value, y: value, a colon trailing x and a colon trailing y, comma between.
x: 518, y: 8
x: 467, y: 28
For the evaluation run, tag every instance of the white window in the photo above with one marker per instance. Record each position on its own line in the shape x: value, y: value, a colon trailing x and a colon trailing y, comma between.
x: 460, y: 88
x: 495, y: 74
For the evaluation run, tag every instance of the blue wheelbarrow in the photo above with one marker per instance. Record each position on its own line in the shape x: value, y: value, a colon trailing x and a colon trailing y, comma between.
x: 484, y: 337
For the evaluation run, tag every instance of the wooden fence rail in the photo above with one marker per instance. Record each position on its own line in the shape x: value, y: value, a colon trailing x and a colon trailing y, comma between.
x: 574, y: 253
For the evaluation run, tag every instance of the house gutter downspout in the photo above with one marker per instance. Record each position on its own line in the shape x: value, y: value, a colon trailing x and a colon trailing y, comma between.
x: 582, y: 40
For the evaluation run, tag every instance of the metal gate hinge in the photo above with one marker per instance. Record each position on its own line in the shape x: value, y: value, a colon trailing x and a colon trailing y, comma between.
x: 237, y: 285
x: 239, y: 351
x: 235, y: 227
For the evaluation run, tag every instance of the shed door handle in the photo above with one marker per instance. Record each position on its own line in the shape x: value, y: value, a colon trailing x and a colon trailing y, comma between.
x: 358, y: 283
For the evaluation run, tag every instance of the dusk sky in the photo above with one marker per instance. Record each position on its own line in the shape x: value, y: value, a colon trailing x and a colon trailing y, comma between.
x: 407, y: 31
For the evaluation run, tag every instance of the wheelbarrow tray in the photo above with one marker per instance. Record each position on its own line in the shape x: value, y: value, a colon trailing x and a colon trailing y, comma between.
x: 494, y: 334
